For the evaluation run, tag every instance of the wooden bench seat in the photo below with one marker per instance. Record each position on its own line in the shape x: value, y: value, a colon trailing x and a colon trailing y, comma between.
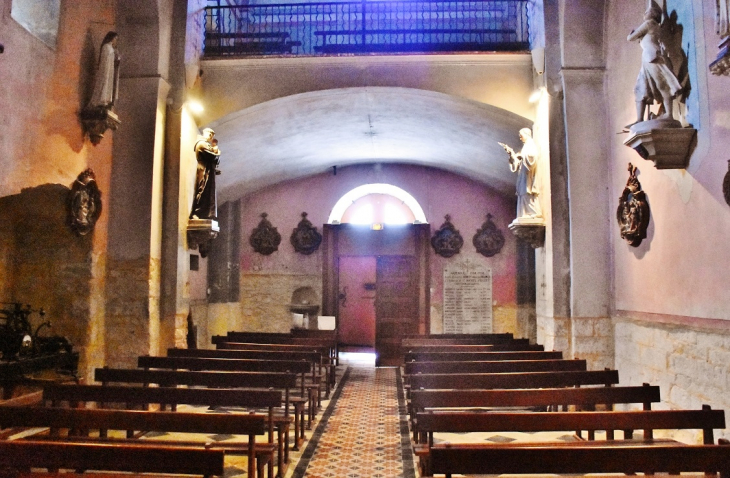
x: 181, y: 359
x: 480, y: 340
x: 480, y: 356
x: 79, y: 421
x: 610, y: 421
x: 546, y: 398
x: 23, y: 455
x: 596, y: 457
x: 501, y: 347
x: 496, y: 366
x: 135, y: 396
x: 513, y: 380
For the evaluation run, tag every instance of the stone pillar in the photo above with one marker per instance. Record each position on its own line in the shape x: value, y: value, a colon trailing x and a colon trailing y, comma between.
x: 575, y: 315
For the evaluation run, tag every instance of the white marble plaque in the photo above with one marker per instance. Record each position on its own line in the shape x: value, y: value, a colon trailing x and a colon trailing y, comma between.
x: 467, y: 298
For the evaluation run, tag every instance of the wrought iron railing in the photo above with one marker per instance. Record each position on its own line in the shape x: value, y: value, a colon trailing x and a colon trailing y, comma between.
x: 367, y: 27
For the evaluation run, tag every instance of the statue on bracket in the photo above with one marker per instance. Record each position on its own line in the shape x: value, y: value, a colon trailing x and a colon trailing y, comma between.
x: 524, y: 164
x: 663, y: 79
x: 305, y: 237
x: 721, y: 65
x: 447, y: 241
x: 265, y: 239
x: 97, y: 116
x: 726, y: 185
x: 488, y: 240
x: 633, y: 210
x: 84, y: 203
x: 203, y: 222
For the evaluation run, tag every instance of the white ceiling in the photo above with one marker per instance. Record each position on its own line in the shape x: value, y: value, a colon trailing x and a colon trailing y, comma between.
x: 308, y: 133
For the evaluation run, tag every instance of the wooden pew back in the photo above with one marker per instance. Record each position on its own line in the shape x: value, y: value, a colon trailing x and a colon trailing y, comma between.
x: 500, y: 366
x: 513, y: 380
x: 481, y: 356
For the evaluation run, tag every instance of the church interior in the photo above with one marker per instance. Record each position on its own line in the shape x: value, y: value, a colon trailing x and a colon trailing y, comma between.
x: 371, y: 180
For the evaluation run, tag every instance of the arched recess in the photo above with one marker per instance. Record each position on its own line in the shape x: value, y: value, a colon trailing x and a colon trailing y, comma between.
x: 378, y: 188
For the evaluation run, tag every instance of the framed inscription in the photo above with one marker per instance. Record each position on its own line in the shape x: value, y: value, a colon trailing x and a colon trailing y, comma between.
x: 467, y: 298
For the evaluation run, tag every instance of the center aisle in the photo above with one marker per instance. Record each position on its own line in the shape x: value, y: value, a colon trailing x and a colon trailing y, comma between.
x: 362, y: 434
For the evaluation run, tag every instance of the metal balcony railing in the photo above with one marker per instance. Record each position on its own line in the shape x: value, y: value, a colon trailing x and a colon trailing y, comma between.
x: 398, y: 26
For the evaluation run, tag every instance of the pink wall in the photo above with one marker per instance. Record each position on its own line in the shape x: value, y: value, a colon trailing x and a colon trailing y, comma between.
x: 680, y: 269
x: 438, y: 192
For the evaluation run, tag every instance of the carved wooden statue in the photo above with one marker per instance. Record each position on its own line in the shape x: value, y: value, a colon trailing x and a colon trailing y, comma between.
x: 633, y: 211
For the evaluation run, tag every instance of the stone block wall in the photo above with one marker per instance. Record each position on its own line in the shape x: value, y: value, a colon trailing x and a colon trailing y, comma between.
x: 691, y: 365
x: 592, y: 339
x: 265, y: 299
x: 554, y: 333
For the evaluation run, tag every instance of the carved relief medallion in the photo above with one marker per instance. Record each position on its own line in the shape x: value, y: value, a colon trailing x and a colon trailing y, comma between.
x: 447, y: 241
x: 305, y: 237
x: 488, y: 240
x: 265, y: 239
x: 726, y: 185
x: 633, y: 211
x: 84, y: 203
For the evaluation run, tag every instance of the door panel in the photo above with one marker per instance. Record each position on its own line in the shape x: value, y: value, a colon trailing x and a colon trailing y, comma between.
x: 396, y: 306
x: 357, y: 302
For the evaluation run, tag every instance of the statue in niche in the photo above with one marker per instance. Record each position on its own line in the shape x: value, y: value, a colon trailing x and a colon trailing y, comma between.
x: 84, y: 203
x: 633, y: 210
x: 97, y: 116
x: 106, y: 83
x: 205, y: 205
x: 447, y: 241
x: 723, y: 18
x: 657, y: 81
x: 524, y: 164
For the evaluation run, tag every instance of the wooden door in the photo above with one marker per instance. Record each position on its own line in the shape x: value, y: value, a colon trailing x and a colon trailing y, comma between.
x: 396, y: 306
x: 357, y: 300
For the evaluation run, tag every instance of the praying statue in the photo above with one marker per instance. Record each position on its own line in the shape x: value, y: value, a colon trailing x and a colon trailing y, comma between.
x: 656, y: 81
x: 205, y: 205
x: 106, y: 83
x: 524, y: 164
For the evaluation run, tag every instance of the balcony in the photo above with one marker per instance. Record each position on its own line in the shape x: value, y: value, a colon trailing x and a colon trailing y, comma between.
x: 366, y: 27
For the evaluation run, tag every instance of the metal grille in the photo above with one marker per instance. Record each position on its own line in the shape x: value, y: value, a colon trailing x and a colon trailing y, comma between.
x: 367, y: 27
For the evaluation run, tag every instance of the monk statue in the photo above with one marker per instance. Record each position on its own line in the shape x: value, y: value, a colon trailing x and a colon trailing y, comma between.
x: 106, y: 83
x: 205, y: 205
x: 524, y: 164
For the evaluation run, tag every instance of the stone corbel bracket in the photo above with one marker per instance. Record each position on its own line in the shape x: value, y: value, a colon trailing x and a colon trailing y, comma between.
x: 200, y: 233
x: 531, y: 231
x: 668, y: 148
x: 96, y: 121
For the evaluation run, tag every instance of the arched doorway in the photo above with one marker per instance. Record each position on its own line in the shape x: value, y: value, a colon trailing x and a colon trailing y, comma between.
x: 376, y: 269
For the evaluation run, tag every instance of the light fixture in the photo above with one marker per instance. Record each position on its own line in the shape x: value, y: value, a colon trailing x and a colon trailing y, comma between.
x: 536, y: 95
x: 377, y: 226
x: 195, y: 106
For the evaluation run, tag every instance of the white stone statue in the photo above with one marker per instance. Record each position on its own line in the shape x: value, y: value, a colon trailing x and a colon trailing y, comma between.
x: 656, y: 80
x: 106, y: 83
x: 524, y: 164
x: 723, y: 17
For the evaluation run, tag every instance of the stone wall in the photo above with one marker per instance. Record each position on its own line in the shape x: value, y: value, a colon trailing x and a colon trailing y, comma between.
x: 589, y: 338
x: 691, y: 364
x: 265, y: 299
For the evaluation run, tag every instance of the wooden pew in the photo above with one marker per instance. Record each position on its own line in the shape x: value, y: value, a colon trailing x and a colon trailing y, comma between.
x: 315, y: 358
x: 22, y: 455
x: 490, y: 339
x: 552, y: 398
x: 501, y: 347
x: 646, y: 420
x: 75, y: 420
x: 274, y: 380
x: 481, y: 356
x: 295, y: 337
x: 589, y: 457
x: 513, y: 380
x: 496, y: 366
x: 321, y: 348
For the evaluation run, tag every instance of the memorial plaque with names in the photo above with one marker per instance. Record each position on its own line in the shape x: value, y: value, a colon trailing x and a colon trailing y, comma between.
x: 467, y: 298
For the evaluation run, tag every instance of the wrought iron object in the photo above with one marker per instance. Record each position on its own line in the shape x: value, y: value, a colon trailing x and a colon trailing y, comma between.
x: 726, y: 185
x: 84, y: 203
x: 305, y: 237
x: 18, y: 339
x: 447, y: 241
x: 265, y: 239
x: 633, y: 211
x: 488, y: 240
